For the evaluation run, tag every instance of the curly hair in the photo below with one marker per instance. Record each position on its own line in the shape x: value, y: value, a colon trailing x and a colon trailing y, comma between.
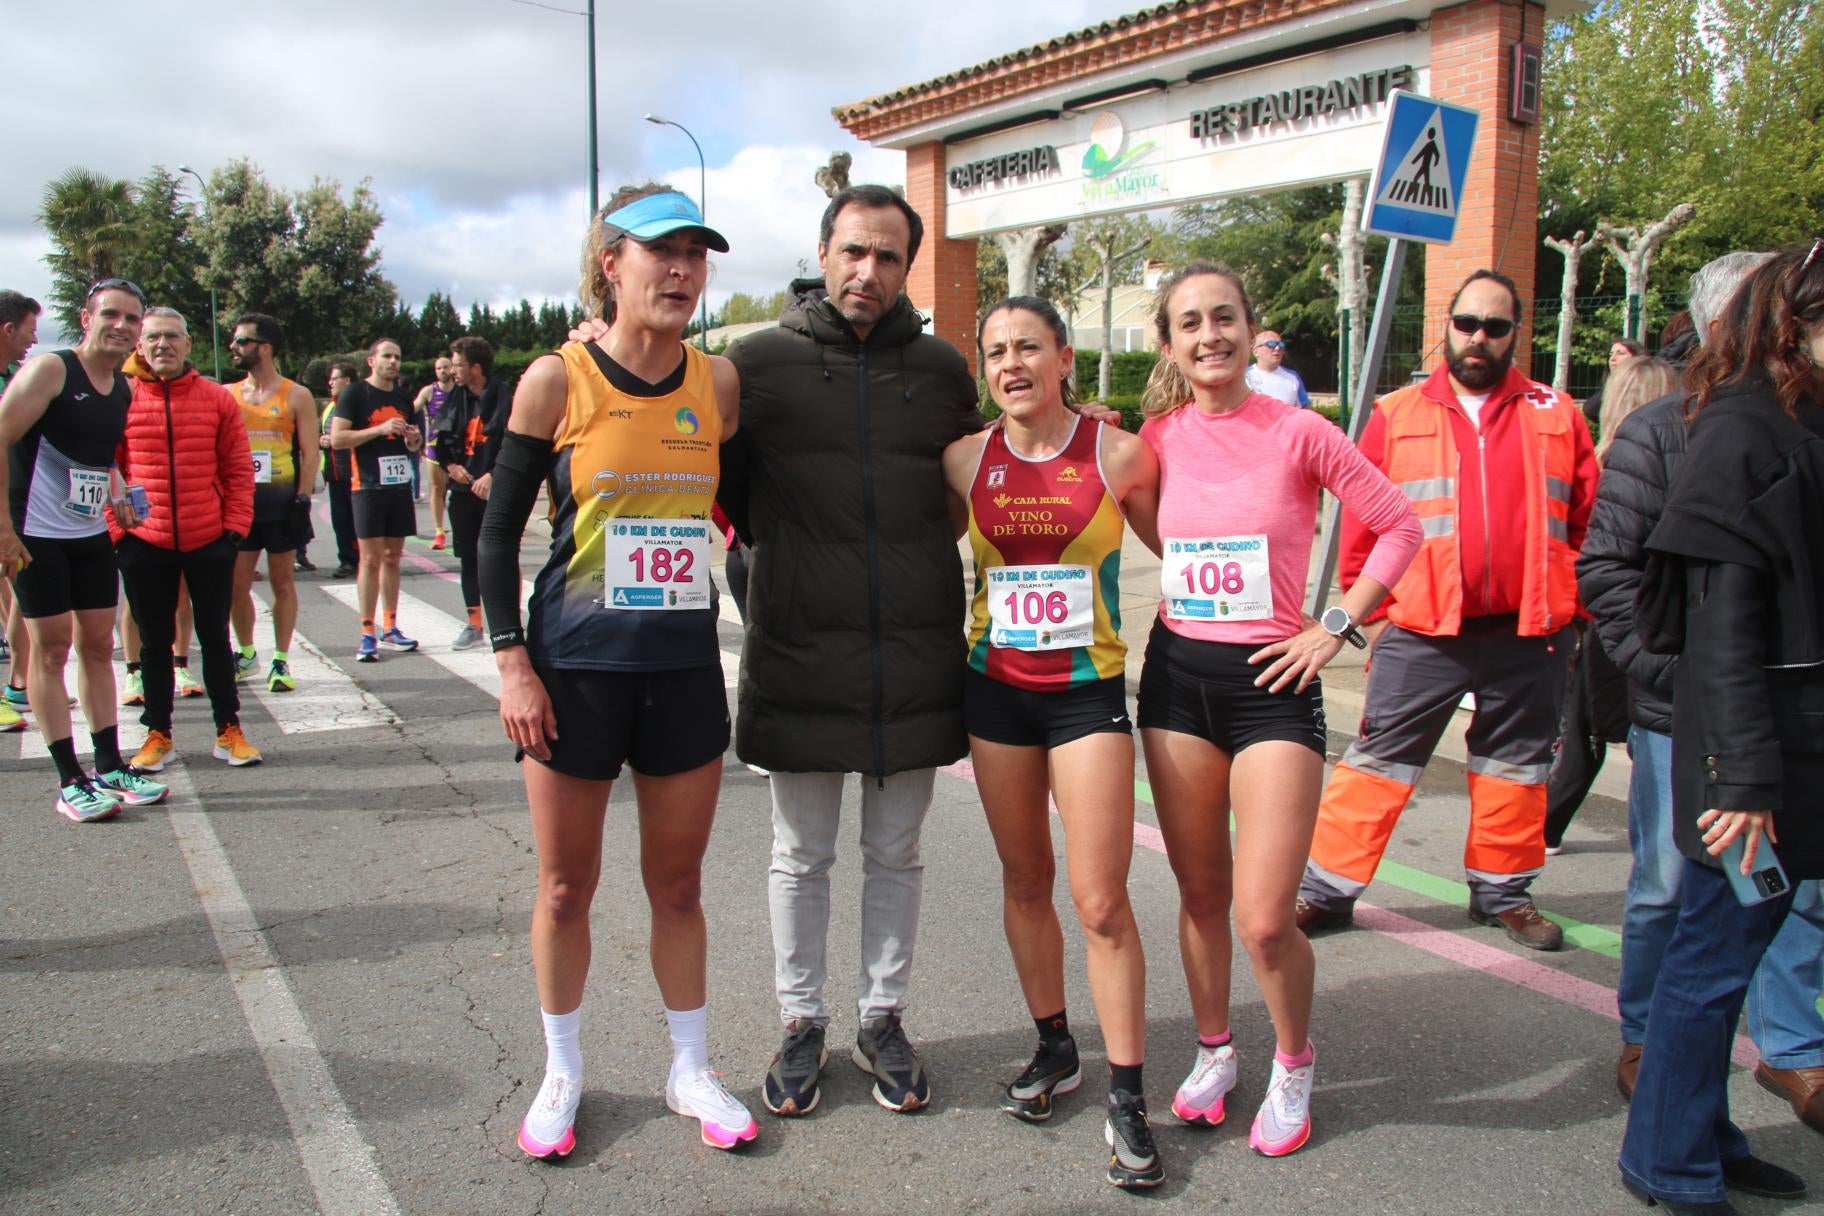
x: 1762, y: 332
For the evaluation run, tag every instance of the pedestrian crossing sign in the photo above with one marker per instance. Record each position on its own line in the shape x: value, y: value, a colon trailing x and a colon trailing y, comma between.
x: 1417, y: 188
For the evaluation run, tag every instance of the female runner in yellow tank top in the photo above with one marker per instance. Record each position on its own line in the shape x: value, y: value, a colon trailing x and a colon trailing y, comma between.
x: 1045, y: 492
x: 620, y: 661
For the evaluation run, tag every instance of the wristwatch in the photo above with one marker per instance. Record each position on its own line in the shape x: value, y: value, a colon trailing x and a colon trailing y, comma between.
x: 1336, y: 623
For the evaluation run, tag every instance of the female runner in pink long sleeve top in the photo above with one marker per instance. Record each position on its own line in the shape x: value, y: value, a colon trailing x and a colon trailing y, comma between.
x: 1231, y: 711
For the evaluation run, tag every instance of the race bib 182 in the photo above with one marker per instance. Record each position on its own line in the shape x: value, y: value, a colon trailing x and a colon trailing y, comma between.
x: 655, y: 565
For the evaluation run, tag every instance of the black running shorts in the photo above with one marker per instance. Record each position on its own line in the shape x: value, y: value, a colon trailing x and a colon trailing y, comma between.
x: 67, y: 575
x: 660, y: 723
x: 270, y: 536
x: 1207, y: 689
x: 384, y: 512
x: 997, y: 712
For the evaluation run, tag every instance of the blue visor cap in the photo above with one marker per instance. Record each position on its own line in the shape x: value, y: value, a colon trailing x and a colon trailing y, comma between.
x: 657, y: 215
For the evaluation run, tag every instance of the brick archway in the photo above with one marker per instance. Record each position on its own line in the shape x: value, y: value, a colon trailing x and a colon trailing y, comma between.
x: 1161, y: 48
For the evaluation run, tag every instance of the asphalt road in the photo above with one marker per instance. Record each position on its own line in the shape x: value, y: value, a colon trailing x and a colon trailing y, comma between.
x: 305, y: 987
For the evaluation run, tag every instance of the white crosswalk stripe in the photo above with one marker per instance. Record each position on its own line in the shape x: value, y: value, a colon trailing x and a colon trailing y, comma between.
x: 327, y: 698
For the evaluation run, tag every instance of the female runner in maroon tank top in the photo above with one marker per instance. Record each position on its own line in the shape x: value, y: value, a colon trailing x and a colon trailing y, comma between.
x: 1043, y: 492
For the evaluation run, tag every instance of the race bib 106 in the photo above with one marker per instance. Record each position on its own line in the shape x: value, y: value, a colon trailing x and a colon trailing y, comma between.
x: 655, y: 565
x: 1041, y: 607
x: 1216, y: 578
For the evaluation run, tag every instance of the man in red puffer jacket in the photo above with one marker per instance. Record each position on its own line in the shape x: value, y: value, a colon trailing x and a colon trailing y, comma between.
x: 187, y: 446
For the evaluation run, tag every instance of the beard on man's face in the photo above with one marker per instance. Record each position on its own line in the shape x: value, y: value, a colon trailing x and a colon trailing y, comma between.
x: 1477, y: 377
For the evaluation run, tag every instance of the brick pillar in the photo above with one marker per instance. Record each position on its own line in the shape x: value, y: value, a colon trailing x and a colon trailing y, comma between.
x: 1498, y: 225
x: 942, y: 281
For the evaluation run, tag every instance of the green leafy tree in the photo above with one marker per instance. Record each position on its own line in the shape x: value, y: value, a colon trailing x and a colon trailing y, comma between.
x: 306, y: 258
x: 744, y: 309
x: 89, y: 217
x: 439, y: 324
x: 518, y: 327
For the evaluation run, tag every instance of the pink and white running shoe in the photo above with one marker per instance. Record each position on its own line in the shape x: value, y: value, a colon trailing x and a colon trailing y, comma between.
x: 549, y: 1129
x: 1284, y: 1122
x: 1199, y: 1100
x: 702, y: 1096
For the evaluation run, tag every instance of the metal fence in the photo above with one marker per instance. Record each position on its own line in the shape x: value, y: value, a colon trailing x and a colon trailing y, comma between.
x: 1414, y: 342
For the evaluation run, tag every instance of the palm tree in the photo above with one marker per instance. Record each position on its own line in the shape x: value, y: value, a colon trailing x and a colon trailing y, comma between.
x: 88, y: 216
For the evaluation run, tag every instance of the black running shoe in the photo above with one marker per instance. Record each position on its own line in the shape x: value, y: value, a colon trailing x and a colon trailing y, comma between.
x: 1133, y: 1161
x: 791, y: 1083
x: 1054, y: 1070
x: 883, y: 1051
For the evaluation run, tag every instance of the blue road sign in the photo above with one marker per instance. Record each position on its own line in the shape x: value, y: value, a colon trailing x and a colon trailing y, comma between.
x: 1417, y: 188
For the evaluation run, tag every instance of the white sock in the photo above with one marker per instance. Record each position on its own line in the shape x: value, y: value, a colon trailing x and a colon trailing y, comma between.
x: 689, y: 1040
x: 562, y: 1055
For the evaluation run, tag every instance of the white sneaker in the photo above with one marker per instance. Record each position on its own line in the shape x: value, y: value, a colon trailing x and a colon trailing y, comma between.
x: 702, y: 1096
x: 549, y: 1129
x: 1284, y: 1122
x: 1200, y: 1099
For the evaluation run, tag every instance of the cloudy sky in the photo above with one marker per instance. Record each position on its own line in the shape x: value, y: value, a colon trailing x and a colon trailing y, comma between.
x: 467, y: 115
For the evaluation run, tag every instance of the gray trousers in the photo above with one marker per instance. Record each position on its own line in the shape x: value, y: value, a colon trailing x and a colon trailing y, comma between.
x: 807, y: 811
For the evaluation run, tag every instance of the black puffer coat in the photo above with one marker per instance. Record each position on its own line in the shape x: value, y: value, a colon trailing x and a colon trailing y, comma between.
x: 854, y: 656
x: 1735, y: 585
x: 1636, y: 474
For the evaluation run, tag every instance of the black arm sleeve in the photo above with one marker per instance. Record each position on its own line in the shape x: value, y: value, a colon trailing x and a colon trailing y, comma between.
x: 524, y: 463
x: 732, y: 491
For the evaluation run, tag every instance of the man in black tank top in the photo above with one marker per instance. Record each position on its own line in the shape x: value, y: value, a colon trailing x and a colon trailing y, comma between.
x: 61, y: 420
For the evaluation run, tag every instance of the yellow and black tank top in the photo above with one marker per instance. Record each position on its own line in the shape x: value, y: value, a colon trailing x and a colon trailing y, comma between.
x: 1046, y: 535
x: 627, y: 586
x: 272, y: 435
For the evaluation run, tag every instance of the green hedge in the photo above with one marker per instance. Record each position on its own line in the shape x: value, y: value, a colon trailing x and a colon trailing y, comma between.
x: 414, y: 374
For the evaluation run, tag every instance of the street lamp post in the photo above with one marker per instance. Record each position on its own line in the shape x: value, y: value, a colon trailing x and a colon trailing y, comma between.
x: 702, y: 207
x: 588, y: 16
x: 215, y: 330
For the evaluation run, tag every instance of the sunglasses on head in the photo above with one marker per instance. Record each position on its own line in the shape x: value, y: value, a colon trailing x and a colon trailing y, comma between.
x: 1275, y: 344
x: 1467, y: 323
x: 127, y: 285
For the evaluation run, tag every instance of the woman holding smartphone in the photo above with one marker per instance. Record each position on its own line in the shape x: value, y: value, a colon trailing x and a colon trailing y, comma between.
x: 1735, y: 587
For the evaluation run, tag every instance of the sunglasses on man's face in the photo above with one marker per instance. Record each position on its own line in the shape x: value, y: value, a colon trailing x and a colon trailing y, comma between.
x: 243, y: 340
x: 1274, y: 345
x: 1467, y: 324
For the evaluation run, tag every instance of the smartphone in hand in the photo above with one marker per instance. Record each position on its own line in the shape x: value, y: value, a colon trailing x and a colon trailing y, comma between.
x: 1766, y: 881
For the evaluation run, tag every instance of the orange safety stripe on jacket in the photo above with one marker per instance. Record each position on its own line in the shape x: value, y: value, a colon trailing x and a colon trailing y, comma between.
x: 1422, y: 460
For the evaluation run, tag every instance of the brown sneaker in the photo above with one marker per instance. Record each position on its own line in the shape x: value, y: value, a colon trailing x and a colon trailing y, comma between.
x: 1803, y: 1087
x: 1524, y: 925
x: 1312, y: 919
x: 1627, y: 1068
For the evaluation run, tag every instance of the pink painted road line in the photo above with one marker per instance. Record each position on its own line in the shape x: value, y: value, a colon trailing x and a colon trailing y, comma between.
x: 416, y: 560
x: 1452, y: 947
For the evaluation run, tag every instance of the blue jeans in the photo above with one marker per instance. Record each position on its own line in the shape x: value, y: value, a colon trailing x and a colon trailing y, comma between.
x: 1679, y: 1133
x: 1783, y: 1017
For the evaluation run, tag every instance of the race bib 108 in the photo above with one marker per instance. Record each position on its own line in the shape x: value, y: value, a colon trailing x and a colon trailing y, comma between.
x: 1216, y: 578
x: 1041, y: 607
x: 655, y: 565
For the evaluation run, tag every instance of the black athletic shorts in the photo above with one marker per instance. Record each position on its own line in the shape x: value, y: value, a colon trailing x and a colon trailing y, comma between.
x: 1207, y: 689
x: 384, y: 511
x: 270, y: 536
x: 997, y: 712
x: 659, y: 723
x: 67, y: 575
